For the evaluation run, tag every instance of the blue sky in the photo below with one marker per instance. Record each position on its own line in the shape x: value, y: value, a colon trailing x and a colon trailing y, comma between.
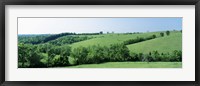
x: 91, y: 25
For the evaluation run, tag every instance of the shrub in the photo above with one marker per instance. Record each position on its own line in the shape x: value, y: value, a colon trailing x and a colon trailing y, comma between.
x: 167, y: 32
x: 134, y: 57
x: 177, y: 56
x: 161, y: 34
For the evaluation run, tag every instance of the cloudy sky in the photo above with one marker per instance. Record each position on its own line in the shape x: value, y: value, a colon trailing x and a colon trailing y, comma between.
x: 91, y: 25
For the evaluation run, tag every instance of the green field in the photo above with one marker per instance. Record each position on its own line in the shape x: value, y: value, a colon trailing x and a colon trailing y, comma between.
x: 131, y: 65
x: 107, y: 39
x: 162, y: 44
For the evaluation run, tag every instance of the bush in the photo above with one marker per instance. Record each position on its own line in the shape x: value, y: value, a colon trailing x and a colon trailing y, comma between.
x: 155, y: 56
x: 167, y: 32
x: 177, y: 56
x: 134, y: 57
x: 161, y: 34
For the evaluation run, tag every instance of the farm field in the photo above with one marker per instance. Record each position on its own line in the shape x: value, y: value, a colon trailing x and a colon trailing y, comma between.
x: 131, y: 65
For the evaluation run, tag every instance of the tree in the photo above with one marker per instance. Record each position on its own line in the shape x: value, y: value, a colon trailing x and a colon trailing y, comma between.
x: 79, y: 54
x: 154, y: 36
x: 161, y: 34
x: 101, y: 32
x: 34, y: 59
x: 22, y: 54
x: 119, y: 52
x: 95, y: 54
x: 51, y: 54
x: 167, y: 32
x: 65, y: 52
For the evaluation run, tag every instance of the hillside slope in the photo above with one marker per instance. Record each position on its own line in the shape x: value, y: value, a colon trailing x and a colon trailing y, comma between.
x: 107, y: 39
x: 162, y: 44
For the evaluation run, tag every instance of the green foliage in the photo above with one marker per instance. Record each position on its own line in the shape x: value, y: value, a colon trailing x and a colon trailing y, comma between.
x: 99, y: 54
x: 31, y: 39
x: 139, y: 39
x: 68, y: 40
x: 167, y: 32
x: 29, y: 55
x: 95, y: 54
x: 161, y: 34
x: 79, y: 54
x: 155, y: 56
x: 101, y: 32
x: 22, y: 54
x: 118, y: 52
x: 35, y: 59
x: 63, y: 51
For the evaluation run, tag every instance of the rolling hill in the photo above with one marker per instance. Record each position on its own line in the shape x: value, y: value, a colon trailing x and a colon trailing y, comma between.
x: 107, y: 39
x: 162, y: 44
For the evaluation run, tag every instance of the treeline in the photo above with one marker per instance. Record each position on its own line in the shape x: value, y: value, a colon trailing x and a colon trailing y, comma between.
x: 47, y: 55
x: 31, y: 39
x: 38, y: 39
x: 141, y: 39
x: 138, y: 39
x: 55, y: 36
x: 68, y: 40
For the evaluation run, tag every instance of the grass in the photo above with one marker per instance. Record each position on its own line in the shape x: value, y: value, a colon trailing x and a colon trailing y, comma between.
x: 107, y: 39
x: 162, y: 44
x: 131, y: 65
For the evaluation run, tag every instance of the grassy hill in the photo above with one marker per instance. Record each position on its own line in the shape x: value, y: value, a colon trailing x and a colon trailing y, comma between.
x: 107, y: 39
x: 162, y: 44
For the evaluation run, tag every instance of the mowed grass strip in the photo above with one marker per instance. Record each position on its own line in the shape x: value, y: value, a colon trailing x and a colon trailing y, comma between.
x: 162, y: 44
x: 131, y: 65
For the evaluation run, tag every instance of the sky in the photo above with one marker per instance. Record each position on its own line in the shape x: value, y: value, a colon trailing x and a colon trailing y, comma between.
x: 92, y: 25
